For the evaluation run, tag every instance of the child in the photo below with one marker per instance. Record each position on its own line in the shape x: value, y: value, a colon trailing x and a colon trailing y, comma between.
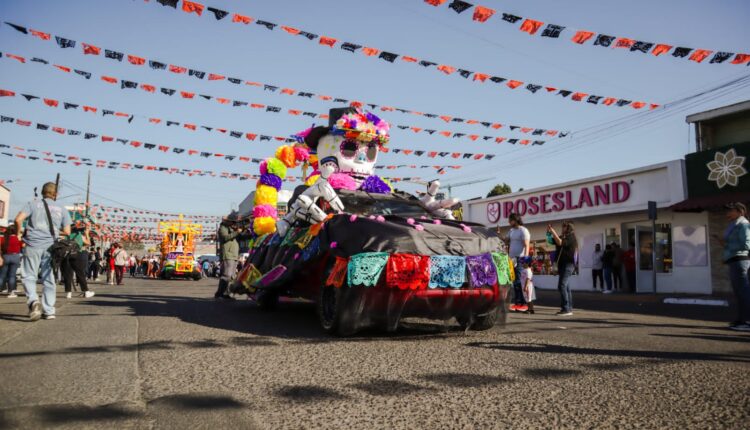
x: 527, y: 286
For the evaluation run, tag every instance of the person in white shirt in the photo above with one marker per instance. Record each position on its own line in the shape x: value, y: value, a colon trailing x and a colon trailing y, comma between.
x: 527, y: 285
x: 121, y: 260
x: 518, y: 246
x: 597, y: 266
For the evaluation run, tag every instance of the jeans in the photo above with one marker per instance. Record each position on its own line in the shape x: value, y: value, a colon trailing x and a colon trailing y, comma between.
x: 228, y: 269
x: 517, y: 290
x: 8, y: 271
x: 597, y: 274
x: 564, y: 272
x: 75, y: 263
x: 608, y: 277
x: 617, y: 277
x: 739, y: 278
x: 119, y: 271
x: 37, y: 261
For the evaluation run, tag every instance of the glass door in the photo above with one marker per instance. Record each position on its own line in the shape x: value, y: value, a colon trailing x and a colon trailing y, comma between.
x: 644, y: 262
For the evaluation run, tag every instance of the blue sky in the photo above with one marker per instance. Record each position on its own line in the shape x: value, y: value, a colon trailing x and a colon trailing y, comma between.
x: 407, y: 27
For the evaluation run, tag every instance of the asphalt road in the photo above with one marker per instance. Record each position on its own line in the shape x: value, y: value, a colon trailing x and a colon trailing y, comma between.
x: 164, y: 354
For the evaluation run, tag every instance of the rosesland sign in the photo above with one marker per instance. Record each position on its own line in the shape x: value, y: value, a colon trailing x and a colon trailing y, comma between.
x: 560, y: 201
x: 625, y: 191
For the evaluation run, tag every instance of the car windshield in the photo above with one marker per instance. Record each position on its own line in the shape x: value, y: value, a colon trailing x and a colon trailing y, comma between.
x: 378, y: 204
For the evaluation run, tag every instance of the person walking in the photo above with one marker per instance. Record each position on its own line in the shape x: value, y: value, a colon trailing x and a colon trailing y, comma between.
x: 10, y: 260
x: 47, y: 220
x: 628, y: 263
x: 607, y: 265
x: 229, y: 232
x: 597, y: 266
x: 736, y: 255
x: 566, y: 245
x: 77, y: 262
x: 527, y: 283
x: 518, y: 246
x: 120, y: 257
x: 109, y: 264
x: 132, y: 264
x: 617, y: 262
x: 96, y: 266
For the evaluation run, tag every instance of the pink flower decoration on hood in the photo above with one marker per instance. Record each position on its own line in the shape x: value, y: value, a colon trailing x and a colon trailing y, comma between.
x: 341, y: 181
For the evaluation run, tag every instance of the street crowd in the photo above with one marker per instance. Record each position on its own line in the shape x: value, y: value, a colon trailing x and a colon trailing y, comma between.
x: 50, y: 242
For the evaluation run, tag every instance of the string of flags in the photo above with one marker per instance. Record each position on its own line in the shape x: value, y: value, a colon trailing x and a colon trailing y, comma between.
x: 32, y: 154
x: 116, y: 209
x: 136, y: 60
x: 196, y: 8
x: 205, y: 154
x: 534, y: 27
x: 193, y: 127
x: 8, y: 181
x: 170, y: 92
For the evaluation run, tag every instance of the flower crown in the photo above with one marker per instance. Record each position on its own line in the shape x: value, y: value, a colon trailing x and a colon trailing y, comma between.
x: 365, y: 127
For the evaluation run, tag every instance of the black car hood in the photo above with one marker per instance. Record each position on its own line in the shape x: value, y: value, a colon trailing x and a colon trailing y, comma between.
x: 396, y: 235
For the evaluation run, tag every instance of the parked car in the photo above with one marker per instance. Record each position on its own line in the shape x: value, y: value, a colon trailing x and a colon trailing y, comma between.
x: 323, y: 263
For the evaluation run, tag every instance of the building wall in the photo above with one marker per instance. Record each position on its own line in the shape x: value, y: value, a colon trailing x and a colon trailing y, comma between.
x: 724, y: 131
x: 685, y: 280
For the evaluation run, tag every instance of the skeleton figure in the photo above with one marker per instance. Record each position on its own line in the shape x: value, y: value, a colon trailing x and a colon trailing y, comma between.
x: 346, y: 160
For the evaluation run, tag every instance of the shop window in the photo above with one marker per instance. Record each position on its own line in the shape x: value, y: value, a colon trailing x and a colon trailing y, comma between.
x: 662, y: 248
x: 611, y: 236
x: 690, y: 247
x: 664, y: 261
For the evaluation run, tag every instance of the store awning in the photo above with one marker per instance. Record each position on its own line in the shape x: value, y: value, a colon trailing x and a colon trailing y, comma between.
x: 715, y: 201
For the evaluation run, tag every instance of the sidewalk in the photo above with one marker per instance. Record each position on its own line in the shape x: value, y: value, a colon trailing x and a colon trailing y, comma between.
x: 644, y: 304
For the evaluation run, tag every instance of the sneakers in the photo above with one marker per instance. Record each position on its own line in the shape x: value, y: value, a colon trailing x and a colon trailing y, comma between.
x: 512, y: 307
x: 522, y: 308
x: 564, y: 313
x: 48, y: 317
x: 35, y: 311
x: 607, y: 292
x: 740, y: 327
x: 68, y: 295
x: 88, y: 294
x: 12, y: 295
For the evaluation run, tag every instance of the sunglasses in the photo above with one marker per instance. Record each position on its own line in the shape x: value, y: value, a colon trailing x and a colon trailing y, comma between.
x: 349, y: 149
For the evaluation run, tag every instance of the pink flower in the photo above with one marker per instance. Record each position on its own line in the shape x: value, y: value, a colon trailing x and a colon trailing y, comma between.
x: 437, y: 221
x: 352, y: 218
x: 380, y: 218
x: 334, y: 244
x: 410, y: 221
x: 467, y: 229
x: 296, y: 255
x: 419, y: 227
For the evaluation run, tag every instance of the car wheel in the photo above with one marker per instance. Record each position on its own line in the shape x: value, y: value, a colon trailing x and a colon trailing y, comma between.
x: 329, y: 309
x: 267, y: 300
x: 166, y: 275
x: 480, y: 322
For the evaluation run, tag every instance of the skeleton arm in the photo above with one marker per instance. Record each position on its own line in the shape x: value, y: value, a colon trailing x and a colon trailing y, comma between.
x: 437, y: 207
x: 305, y: 207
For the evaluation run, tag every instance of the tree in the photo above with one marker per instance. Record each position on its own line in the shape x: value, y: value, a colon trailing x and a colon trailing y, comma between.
x: 499, y: 190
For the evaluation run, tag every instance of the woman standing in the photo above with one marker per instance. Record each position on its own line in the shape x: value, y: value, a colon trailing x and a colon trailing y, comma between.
x: 10, y: 260
x: 736, y: 256
x: 566, y: 245
x: 77, y: 262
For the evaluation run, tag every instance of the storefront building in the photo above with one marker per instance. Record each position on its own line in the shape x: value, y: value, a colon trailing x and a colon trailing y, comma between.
x: 718, y: 173
x: 612, y: 209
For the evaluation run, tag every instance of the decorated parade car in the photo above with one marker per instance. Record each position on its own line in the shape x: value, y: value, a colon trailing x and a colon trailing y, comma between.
x: 367, y: 254
x: 177, y: 247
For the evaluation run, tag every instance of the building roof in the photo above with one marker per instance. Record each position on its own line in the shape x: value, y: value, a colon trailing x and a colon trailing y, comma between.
x: 1, y: 185
x: 719, y: 112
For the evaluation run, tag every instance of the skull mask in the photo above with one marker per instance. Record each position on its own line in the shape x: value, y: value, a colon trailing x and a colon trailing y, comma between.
x: 353, y: 157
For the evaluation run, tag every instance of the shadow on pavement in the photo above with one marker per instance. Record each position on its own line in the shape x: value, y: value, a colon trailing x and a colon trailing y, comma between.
x: 560, y: 349
x: 292, y: 320
x: 389, y: 387
x: 464, y: 380
x: 706, y: 336
x: 308, y: 393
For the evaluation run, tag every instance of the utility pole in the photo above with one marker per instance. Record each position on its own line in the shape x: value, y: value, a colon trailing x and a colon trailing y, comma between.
x: 88, y: 189
x: 57, y: 185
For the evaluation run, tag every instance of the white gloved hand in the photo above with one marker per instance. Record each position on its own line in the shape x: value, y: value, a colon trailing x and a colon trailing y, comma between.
x: 438, y: 208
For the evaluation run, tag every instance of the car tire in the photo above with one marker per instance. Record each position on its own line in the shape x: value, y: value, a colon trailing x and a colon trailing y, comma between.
x: 166, y: 275
x: 267, y: 300
x: 329, y: 306
x: 480, y: 322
